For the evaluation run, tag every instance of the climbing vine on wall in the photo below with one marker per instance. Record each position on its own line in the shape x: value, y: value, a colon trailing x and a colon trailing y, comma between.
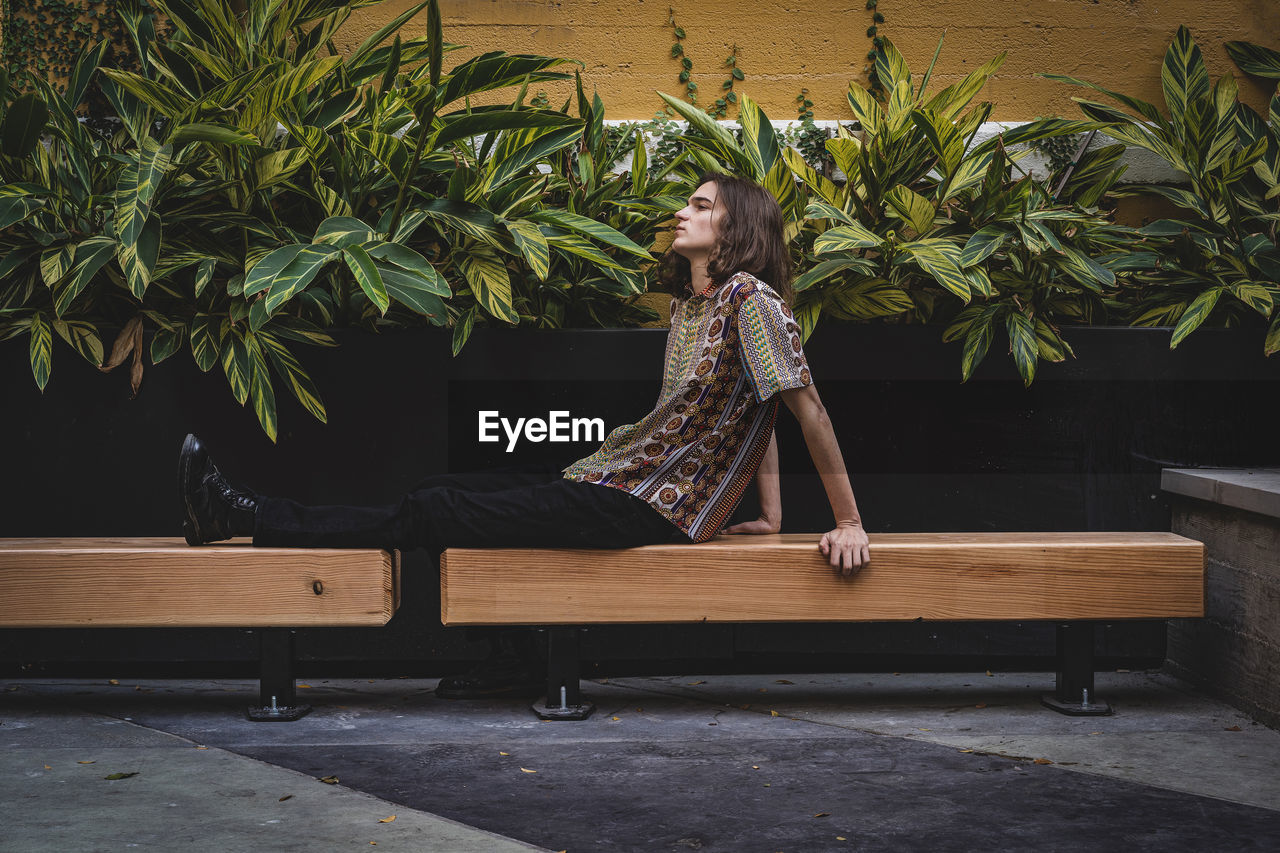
x: 44, y: 38
x: 877, y: 45
x: 733, y: 73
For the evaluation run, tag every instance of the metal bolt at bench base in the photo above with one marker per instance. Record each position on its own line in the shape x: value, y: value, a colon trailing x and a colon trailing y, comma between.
x: 1086, y: 707
x: 276, y: 713
x: 564, y: 711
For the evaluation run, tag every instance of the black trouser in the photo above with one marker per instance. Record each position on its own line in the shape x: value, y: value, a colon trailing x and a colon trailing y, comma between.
x: 490, y: 509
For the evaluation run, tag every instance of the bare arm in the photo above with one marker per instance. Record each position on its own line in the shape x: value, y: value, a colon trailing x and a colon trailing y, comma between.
x: 846, y: 545
x: 770, y: 493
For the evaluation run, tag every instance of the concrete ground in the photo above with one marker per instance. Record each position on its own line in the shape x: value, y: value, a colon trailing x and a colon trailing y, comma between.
x: 737, y: 763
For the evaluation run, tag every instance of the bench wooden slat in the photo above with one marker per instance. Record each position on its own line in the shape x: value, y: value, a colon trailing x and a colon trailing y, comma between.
x: 783, y: 578
x: 164, y: 582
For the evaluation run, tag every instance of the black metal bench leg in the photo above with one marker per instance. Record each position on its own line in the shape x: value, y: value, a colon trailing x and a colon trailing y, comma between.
x: 276, y: 690
x: 564, y: 699
x: 1073, y: 688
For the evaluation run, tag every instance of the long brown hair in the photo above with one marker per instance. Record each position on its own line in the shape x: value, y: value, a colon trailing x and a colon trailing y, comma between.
x: 751, y: 240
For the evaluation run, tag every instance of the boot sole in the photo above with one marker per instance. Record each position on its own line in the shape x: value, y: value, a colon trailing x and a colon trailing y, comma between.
x: 190, y: 529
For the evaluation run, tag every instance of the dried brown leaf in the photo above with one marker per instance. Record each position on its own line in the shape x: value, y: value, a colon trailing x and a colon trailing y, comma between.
x: 773, y: 713
x: 86, y: 762
x: 113, y: 681
x: 1043, y: 761
x: 504, y: 753
x: 329, y: 780
x: 114, y: 776
x: 783, y: 681
x: 285, y: 797
x: 823, y: 814
x: 981, y: 705
x: 527, y: 770
x: 1232, y: 729
x: 387, y: 819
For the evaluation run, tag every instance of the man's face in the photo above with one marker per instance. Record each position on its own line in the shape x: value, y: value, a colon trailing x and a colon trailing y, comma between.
x: 697, y: 223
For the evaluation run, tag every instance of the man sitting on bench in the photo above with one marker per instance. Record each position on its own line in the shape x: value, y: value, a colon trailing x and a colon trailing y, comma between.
x: 678, y: 474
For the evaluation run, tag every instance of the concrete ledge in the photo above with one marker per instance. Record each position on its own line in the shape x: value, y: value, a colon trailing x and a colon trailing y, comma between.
x: 1256, y: 490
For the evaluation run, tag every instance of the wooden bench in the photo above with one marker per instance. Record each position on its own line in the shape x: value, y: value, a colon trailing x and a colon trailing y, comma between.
x: 1074, y: 579
x: 131, y: 583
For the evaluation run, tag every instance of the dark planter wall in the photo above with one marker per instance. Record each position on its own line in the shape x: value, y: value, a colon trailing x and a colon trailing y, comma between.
x: 1080, y: 450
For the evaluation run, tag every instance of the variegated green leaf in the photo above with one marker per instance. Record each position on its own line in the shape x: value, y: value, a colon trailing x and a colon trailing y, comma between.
x: 82, y: 337
x: 823, y: 270
x: 943, y: 138
x: 532, y: 245
x: 495, y: 71
x: 463, y: 217
x: 409, y: 290
x: 206, y: 336
x: 846, y: 237
x: 462, y: 329
x: 818, y: 184
x: 366, y: 275
x: 150, y: 92
x: 1255, y: 295
x: 91, y: 256
x: 1085, y: 269
x: 940, y: 260
x: 1049, y: 344
x: 260, y: 390
x: 1255, y: 59
x: 520, y: 149
x: 1197, y: 312
x: 982, y: 244
x: 412, y: 264
x: 489, y: 282
x: 868, y: 299
x: 891, y: 68
x: 718, y: 139
x: 278, y: 166
x: 55, y: 263
x: 235, y: 364
x: 865, y: 109
x: 821, y: 210
x: 165, y: 343
x: 300, y: 272
x: 759, y: 141
x: 343, y: 231
x: 782, y: 186
x: 136, y: 188
x: 138, y: 259
x: 1271, y: 345
x: 572, y: 244
x: 979, y: 281
x: 262, y: 274
x: 1183, y: 76
x: 40, y: 349
x: 591, y: 228
x: 976, y: 343
x: 389, y: 151
x: 951, y: 101
x: 911, y: 207
x: 297, y: 380
x: 1022, y: 339
x: 204, y: 274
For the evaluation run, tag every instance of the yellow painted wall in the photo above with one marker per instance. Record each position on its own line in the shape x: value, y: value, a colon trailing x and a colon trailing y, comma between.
x: 784, y: 45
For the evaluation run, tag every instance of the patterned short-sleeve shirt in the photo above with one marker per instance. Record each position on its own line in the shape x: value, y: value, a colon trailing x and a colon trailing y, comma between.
x: 692, y: 457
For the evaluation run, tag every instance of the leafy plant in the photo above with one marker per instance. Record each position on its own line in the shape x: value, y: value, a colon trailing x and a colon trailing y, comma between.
x: 260, y: 190
x: 1219, y: 262
x: 930, y: 225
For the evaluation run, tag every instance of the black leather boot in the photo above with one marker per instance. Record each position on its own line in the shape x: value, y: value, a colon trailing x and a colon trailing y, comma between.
x: 215, y: 509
